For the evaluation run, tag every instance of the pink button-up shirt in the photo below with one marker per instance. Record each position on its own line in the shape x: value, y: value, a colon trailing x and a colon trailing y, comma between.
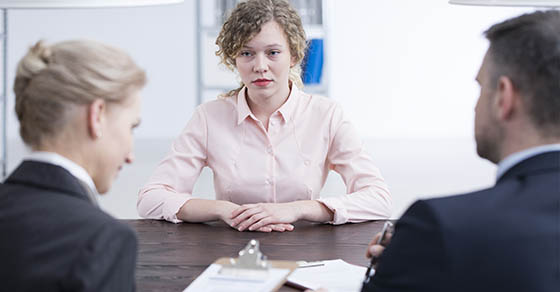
x: 306, y: 138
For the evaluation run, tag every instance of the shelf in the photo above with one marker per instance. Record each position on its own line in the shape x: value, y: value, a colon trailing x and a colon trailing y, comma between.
x: 314, y: 31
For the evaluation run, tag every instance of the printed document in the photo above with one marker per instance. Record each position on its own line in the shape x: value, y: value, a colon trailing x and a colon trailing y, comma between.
x: 334, y: 275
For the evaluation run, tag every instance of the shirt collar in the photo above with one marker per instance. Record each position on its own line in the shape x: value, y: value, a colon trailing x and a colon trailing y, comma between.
x: 286, y: 110
x: 243, y: 110
x: 59, y: 160
x: 513, y: 159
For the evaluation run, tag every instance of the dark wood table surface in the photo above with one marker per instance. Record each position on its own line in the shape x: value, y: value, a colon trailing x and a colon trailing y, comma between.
x: 171, y: 256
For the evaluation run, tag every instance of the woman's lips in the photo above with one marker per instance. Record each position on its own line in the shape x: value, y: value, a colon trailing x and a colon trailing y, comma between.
x: 262, y: 82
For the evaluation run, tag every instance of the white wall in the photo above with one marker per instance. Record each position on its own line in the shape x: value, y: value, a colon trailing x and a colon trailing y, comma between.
x: 406, y: 68
x: 160, y: 38
x: 403, y: 70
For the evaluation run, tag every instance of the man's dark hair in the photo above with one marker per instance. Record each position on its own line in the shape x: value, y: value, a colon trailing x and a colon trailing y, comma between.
x: 526, y: 49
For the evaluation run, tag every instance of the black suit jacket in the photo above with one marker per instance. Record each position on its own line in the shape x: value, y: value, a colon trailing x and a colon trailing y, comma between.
x: 506, y: 238
x: 54, y: 239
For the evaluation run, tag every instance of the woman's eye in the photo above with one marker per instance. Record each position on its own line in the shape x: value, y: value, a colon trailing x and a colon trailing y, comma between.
x: 274, y: 53
x: 245, y: 54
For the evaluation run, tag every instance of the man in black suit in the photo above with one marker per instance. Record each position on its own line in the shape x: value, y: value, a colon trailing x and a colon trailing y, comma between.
x: 505, y: 238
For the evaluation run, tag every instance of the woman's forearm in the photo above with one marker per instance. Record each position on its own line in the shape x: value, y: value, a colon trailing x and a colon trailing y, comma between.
x: 202, y: 210
x: 311, y: 210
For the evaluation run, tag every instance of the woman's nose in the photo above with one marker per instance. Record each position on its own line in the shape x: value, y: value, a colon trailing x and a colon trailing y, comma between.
x: 261, y: 64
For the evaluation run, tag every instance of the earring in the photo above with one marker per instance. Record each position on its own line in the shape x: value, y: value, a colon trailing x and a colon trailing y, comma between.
x: 98, y: 134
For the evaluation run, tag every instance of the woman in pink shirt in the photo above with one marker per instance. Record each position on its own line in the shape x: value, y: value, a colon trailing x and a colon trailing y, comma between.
x: 269, y: 144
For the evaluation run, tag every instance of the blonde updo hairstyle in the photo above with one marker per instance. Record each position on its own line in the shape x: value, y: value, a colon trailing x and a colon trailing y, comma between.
x: 52, y: 80
x: 246, y: 21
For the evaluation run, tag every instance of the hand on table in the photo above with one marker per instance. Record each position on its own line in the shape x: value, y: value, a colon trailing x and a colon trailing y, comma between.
x: 228, y: 218
x: 255, y: 217
x: 281, y: 227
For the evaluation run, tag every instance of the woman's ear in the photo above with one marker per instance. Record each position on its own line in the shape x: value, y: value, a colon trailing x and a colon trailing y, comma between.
x: 96, y: 112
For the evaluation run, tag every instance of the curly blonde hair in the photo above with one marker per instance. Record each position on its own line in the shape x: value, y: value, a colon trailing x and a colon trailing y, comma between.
x: 246, y: 21
x: 52, y: 79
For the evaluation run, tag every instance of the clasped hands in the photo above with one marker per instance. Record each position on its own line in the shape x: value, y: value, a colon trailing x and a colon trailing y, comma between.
x: 264, y: 217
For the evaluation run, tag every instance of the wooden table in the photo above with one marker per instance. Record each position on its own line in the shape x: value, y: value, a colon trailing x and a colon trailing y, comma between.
x: 171, y: 255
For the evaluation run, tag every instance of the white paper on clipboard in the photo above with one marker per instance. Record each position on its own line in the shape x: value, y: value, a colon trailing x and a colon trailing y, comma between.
x: 334, y: 275
x: 212, y: 281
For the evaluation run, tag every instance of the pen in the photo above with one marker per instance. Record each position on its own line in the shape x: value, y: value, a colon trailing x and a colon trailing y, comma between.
x: 373, y: 261
x: 304, y: 264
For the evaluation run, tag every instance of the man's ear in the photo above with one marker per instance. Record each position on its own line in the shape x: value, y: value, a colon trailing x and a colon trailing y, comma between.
x: 96, y: 117
x: 507, y: 98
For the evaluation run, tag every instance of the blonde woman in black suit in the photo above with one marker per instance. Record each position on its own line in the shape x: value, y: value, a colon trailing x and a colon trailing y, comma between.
x: 77, y: 103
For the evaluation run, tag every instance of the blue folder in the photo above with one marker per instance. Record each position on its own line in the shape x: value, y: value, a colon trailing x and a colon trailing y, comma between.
x: 313, y: 62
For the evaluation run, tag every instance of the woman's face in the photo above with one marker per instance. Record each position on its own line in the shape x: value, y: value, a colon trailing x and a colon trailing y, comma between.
x: 264, y: 63
x: 117, y: 141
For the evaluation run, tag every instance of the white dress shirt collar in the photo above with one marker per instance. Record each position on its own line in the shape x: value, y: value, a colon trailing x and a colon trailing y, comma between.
x: 72, y: 167
x: 513, y: 159
x: 286, y: 110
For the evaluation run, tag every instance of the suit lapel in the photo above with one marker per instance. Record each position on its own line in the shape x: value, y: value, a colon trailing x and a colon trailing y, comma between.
x: 47, y: 176
x: 546, y: 162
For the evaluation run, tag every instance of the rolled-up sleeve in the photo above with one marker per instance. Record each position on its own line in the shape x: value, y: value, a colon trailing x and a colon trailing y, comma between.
x: 172, y: 183
x: 368, y: 197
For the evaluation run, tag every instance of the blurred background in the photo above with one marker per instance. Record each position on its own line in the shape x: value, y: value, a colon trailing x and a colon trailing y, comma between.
x: 403, y: 71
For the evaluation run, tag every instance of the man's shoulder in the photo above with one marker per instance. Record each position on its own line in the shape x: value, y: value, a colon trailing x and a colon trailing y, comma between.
x: 453, y: 210
x: 501, y: 205
x: 461, y: 199
x: 539, y: 186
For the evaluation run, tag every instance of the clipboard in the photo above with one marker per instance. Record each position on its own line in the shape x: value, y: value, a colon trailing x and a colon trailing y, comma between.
x: 249, y: 272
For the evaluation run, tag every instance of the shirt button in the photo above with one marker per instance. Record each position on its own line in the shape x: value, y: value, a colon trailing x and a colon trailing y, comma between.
x: 309, y: 191
x: 267, y: 182
x: 269, y: 150
x: 306, y: 162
